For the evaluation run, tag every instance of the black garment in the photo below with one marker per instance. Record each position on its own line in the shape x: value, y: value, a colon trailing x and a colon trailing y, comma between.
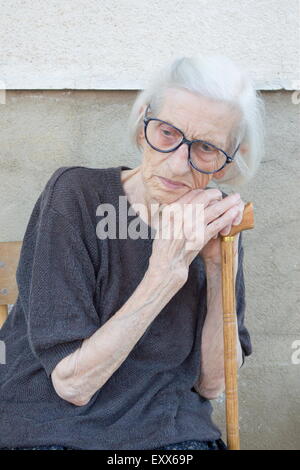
x: 38, y: 448
x: 70, y: 283
x: 186, y: 445
x: 218, y: 444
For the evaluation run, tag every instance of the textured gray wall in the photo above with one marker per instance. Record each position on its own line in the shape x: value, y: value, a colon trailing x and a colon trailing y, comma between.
x: 43, y: 130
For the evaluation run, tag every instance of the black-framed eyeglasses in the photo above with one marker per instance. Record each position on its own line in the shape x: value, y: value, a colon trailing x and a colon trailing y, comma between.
x: 202, y: 156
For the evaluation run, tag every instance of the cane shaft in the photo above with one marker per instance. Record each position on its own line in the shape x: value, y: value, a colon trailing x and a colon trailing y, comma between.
x: 230, y: 343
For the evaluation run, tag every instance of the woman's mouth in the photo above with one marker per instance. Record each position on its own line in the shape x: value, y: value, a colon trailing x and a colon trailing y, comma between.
x: 172, y: 184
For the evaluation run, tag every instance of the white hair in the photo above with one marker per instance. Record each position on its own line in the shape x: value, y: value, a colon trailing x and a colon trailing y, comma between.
x: 219, y: 78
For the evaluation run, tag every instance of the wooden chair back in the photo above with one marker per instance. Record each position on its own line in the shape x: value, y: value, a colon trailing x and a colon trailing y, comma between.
x: 9, y: 259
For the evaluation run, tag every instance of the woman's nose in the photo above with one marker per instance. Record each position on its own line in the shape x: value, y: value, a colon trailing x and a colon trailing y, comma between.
x: 179, y: 159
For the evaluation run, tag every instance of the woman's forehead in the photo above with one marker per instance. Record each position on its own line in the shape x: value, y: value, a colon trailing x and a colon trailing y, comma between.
x: 199, y: 117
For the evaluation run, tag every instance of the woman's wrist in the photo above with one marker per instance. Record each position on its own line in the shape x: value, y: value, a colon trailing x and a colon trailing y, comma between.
x: 213, y: 266
x: 169, y: 282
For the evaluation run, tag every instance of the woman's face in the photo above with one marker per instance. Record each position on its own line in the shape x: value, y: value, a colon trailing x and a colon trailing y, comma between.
x: 198, y: 118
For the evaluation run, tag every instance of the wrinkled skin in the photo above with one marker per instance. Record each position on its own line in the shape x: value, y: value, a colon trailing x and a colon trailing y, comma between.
x: 198, y: 118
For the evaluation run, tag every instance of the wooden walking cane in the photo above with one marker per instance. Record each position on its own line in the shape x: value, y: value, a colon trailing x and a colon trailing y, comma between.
x: 229, y: 328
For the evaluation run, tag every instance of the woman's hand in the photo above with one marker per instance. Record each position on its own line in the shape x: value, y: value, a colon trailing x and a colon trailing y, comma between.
x: 173, y: 251
x: 211, y: 252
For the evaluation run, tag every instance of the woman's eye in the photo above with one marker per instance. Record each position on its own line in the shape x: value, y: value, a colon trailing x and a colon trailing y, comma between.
x: 168, y: 133
x: 207, y: 148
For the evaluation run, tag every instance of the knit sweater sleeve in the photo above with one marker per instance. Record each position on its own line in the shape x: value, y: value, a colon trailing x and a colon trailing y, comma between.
x: 240, y: 291
x: 56, y: 280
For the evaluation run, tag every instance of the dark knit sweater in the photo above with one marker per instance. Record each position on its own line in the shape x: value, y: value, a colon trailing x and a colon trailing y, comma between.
x: 70, y: 283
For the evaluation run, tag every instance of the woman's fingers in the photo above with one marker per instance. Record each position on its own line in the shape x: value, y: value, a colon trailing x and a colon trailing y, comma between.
x: 215, y: 210
x: 237, y: 220
x: 203, y: 196
x: 225, y: 230
x: 210, y: 197
x: 225, y: 220
x: 237, y: 217
x: 219, y: 213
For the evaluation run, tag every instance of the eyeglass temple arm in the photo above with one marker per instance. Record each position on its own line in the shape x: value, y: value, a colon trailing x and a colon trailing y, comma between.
x: 232, y: 157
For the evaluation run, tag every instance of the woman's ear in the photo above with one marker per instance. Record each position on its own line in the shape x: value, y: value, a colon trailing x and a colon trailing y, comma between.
x: 141, y: 136
x: 143, y: 109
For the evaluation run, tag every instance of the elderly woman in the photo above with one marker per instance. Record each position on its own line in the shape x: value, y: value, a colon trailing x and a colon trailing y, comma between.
x: 116, y: 342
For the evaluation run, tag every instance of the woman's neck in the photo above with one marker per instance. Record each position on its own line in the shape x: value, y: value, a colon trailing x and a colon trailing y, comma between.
x: 134, y: 188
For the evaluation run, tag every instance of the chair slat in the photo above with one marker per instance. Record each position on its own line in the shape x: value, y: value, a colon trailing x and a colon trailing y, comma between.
x: 9, y: 260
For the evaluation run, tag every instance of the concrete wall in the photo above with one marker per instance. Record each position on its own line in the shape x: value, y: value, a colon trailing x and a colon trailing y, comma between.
x: 41, y: 131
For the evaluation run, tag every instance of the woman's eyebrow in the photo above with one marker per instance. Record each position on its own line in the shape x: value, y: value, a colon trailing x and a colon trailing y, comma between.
x: 207, y: 137
x: 212, y: 140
